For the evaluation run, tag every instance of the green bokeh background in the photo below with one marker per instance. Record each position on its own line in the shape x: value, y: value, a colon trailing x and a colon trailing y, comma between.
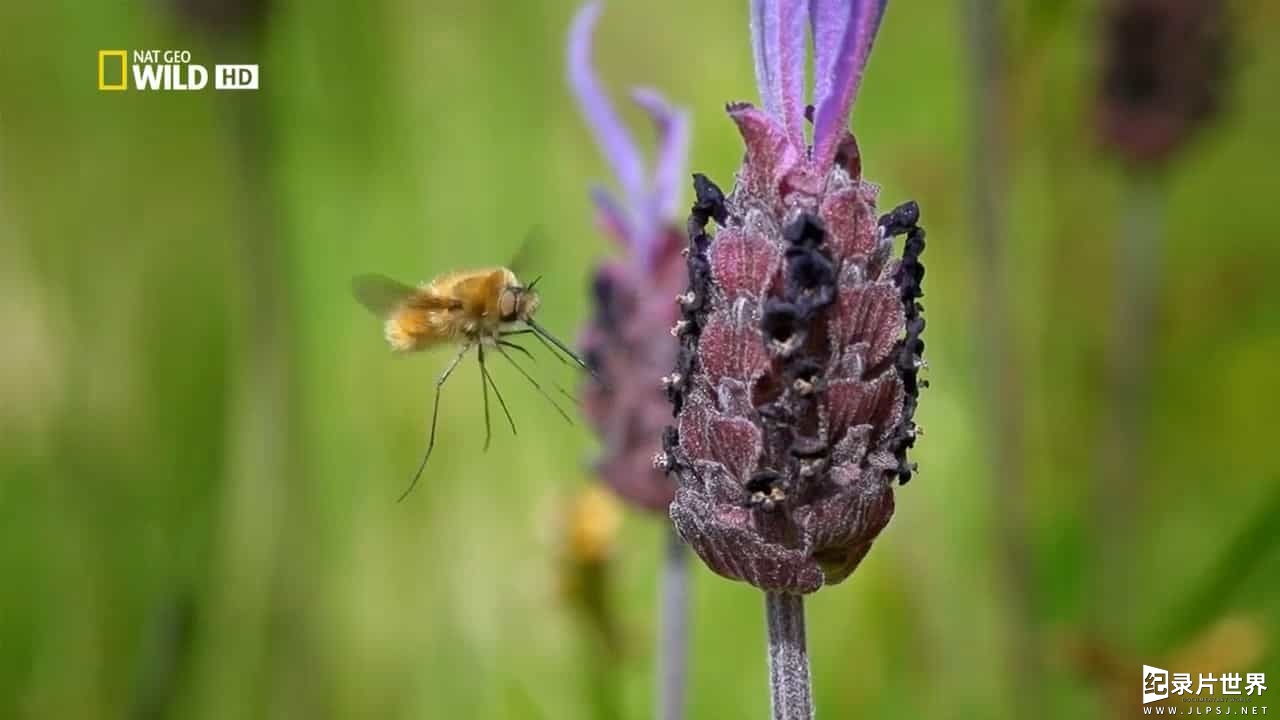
x: 204, y: 435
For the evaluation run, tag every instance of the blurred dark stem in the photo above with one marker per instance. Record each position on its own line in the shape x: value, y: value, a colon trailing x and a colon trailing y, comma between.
x: 166, y: 650
x: 601, y: 664
x: 263, y: 427
x: 1231, y: 570
x: 673, y: 643
x: 789, y: 683
x: 600, y: 639
x: 998, y: 353
x: 1119, y: 483
x: 606, y: 695
x: 262, y: 252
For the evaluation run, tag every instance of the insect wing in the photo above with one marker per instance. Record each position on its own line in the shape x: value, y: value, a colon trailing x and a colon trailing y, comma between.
x: 380, y: 294
x: 533, y: 250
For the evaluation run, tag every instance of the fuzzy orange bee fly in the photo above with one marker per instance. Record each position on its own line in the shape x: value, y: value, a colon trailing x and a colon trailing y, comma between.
x: 483, y: 309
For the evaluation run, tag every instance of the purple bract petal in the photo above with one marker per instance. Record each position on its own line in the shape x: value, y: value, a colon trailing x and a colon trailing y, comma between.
x: 612, y: 216
x: 792, y: 61
x: 778, y: 39
x: 673, y: 149
x: 838, y: 70
x: 827, y: 20
x: 612, y: 137
x: 762, y: 34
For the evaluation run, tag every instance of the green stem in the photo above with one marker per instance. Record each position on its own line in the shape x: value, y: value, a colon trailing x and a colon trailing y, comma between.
x: 1119, y: 483
x: 1002, y: 376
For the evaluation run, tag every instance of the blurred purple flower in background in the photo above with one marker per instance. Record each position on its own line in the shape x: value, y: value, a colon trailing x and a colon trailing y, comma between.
x: 627, y: 341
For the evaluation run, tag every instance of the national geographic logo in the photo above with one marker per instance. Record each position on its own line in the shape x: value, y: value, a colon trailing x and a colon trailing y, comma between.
x: 168, y: 70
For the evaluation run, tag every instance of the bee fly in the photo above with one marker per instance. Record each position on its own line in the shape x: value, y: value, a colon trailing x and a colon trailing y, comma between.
x: 482, y: 309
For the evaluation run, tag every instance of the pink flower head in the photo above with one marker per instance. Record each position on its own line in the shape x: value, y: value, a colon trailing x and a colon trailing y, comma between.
x: 796, y: 380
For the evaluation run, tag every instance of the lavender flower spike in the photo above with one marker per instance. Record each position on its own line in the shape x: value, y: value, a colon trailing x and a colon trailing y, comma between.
x: 796, y: 382
x: 627, y: 340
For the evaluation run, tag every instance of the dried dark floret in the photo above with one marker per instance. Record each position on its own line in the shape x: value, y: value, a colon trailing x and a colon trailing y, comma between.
x: 709, y: 204
x: 783, y: 325
x: 910, y: 356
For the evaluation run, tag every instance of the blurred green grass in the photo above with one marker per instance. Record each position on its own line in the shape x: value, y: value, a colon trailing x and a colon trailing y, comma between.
x: 199, y: 420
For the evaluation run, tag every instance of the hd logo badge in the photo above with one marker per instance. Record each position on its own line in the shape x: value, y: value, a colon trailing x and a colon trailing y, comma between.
x: 168, y: 70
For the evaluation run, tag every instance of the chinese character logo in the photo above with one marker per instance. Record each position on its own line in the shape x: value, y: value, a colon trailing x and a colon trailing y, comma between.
x: 1155, y: 684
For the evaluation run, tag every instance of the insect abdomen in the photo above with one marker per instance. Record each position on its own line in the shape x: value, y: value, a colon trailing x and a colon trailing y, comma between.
x: 409, y: 329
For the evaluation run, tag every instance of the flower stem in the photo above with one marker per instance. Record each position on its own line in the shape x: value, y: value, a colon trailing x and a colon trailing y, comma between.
x: 604, y: 690
x: 673, y: 641
x: 1003, y: 377
x: 789, y: 685
x: 1119, y: 487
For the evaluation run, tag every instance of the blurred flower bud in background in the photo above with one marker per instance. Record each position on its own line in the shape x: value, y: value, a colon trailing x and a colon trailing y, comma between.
x: 627, y: 341
x: 218, y: 17
x: 588, y: 533
x: 1163, y: 76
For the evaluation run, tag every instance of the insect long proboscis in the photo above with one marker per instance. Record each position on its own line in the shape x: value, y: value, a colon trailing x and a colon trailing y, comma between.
x: 542, y: 333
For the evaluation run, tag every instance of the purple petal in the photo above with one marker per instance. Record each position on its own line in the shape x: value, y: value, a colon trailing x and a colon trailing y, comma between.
x: 673, y: 149
x: 612, y: 216
x: 838, y: 68
x: 827, y: 19
x: 612, y: 137
x: 778, y: 42
x: 791, y: 62
x: 762, y: 34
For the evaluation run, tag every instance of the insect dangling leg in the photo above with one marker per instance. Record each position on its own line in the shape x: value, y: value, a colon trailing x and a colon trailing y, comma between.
x: 484, y: 393
x: 435, y: 414
x: 484, y: 371
x: 521, y: 348
x: 550, y: 348
x: 535, y: 384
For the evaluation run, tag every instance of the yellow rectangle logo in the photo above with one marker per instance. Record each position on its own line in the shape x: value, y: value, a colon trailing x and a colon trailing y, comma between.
x: 102, y: 69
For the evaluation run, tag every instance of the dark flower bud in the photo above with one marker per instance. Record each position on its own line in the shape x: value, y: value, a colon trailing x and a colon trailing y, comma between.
x: 223, y: 16
x: 1163, y: 76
